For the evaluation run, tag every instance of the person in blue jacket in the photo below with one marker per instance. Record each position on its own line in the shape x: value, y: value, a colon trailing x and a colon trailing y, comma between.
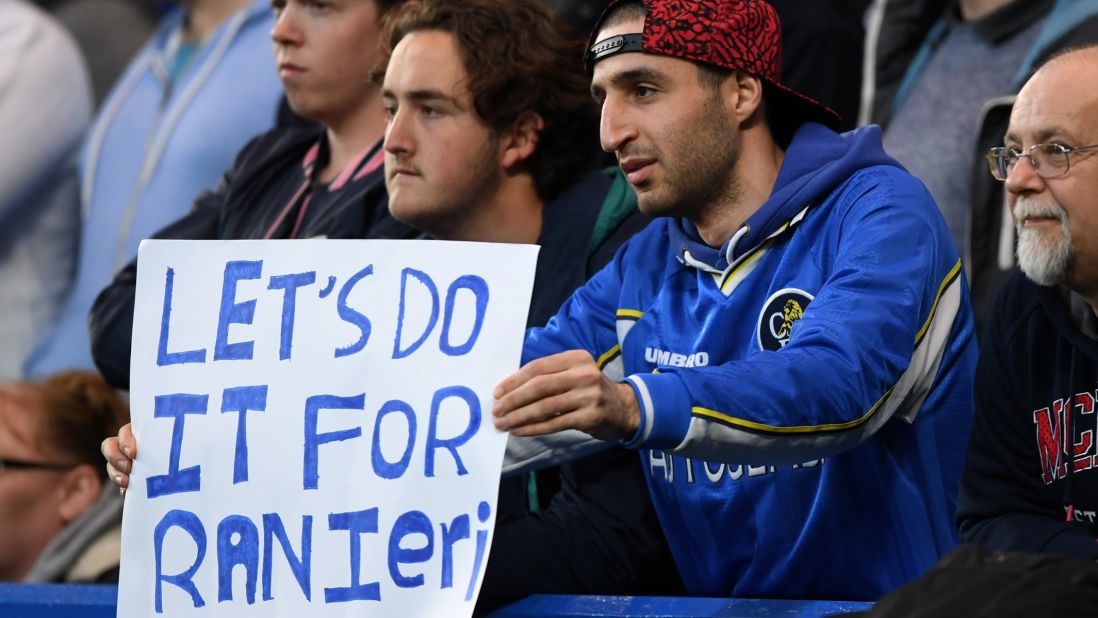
x: 789, y: 345
x: 203, y: 86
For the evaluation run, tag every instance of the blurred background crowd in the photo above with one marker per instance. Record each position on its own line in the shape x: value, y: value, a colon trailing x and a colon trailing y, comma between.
x: 118, y: 114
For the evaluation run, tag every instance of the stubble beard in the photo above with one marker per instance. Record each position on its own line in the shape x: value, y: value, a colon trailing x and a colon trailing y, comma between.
x: 1045, y: 258
x: 449, y: 212
x: 699, y: 174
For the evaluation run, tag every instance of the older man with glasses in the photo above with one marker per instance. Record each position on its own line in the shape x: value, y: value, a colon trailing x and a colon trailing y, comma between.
x: 1031, y: 478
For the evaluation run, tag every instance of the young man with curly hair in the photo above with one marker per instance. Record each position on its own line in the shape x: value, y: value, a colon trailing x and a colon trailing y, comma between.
x: 490, y: 138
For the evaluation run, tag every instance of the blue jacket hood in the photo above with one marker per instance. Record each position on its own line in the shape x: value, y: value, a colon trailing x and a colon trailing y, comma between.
x: 817, y: 161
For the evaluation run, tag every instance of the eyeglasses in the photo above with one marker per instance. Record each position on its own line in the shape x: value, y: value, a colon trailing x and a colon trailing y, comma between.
x: 19, y: 464
x: 1048, y: 160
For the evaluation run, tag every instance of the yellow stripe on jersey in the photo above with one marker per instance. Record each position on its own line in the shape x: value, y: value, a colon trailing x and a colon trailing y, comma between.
x: 610, y: 355
x: 953, y: 274
x: 745, y: 265
x: 739, y: 422
x: 726, y: 284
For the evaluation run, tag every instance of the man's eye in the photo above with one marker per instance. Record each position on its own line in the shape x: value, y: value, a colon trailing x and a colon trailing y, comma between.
x: 644, y: 92
x: 431, y: 112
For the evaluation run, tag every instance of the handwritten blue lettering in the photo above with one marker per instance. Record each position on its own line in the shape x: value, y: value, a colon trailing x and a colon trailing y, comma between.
x: 351, y: 316
x: 313, y: 440
x: 289, y: 283
x: 356, y: 523
x: 433, y: 442
x: 383, y: 468
x: 301, y: 566
x: 190, y: 524
x: 243, y: 399
x: 425, y: 279
x: 176, y: 481
x: 163, y: 356
x: 243, y: 551
x: 479, y: 288
x: 233, y: 312
x: 412, y: 522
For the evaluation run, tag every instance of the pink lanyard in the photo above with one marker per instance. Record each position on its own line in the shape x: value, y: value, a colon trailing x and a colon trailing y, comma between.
x: 307, y: 166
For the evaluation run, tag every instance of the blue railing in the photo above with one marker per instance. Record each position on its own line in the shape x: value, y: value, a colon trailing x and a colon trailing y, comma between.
x: 74, y: 601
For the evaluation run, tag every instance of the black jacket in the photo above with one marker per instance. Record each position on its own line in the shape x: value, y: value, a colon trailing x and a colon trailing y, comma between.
x: 265, y: 177
x: 1017, y: 489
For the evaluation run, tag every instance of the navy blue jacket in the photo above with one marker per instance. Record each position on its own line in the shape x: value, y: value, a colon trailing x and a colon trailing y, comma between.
x: 1036, y: 384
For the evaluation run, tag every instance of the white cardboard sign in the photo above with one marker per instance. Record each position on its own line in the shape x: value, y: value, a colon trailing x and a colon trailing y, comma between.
x: 314, y: 426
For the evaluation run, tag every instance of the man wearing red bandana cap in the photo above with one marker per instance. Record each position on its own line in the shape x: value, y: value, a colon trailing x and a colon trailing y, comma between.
x: 789, y: 345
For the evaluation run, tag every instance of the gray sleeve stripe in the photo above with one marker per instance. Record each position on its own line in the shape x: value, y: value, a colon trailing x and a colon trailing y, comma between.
x: 713, y: 441
x: 646, y: 408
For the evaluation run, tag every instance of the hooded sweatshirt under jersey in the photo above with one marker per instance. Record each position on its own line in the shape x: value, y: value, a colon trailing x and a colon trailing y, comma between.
x: 1035, y: 416
x: 806, y: 389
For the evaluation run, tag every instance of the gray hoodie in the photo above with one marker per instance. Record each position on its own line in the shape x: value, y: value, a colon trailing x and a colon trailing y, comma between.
x: 88, y: 548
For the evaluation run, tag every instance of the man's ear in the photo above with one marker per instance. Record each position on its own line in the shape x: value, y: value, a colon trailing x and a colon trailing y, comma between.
x: 80, y: 488
x: 743, y: 96
x: 520, y: 143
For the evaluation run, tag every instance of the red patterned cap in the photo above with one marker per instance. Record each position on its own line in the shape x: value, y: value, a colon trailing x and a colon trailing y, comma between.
x: 741, y: 35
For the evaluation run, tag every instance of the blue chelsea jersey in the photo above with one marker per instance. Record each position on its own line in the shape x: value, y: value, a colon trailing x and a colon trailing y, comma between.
x: 805, y: 390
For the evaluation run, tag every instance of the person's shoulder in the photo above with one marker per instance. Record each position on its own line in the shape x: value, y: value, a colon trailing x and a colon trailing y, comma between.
x: 1016, y: 306
x: 42, y: 43
x: 885, y: 187
x: 1018, y: 296
x: 859, y: 172
x: 1068, y: 24
x: 275, y: 145
x: 888, y: 176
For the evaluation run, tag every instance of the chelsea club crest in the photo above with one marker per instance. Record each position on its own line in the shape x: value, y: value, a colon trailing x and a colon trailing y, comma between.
x: 780, y: 311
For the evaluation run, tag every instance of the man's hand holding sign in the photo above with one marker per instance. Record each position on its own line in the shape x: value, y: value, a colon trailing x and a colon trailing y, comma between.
x: 313, y: 426
x: 565, y: 391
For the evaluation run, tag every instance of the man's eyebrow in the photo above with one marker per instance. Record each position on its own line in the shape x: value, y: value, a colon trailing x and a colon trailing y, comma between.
x: 1053, y: 132
x: 628, y: 77
x: 424, y: 96
x: 1043, y: 136
x: 430, y: 95
x: 639, y: 74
